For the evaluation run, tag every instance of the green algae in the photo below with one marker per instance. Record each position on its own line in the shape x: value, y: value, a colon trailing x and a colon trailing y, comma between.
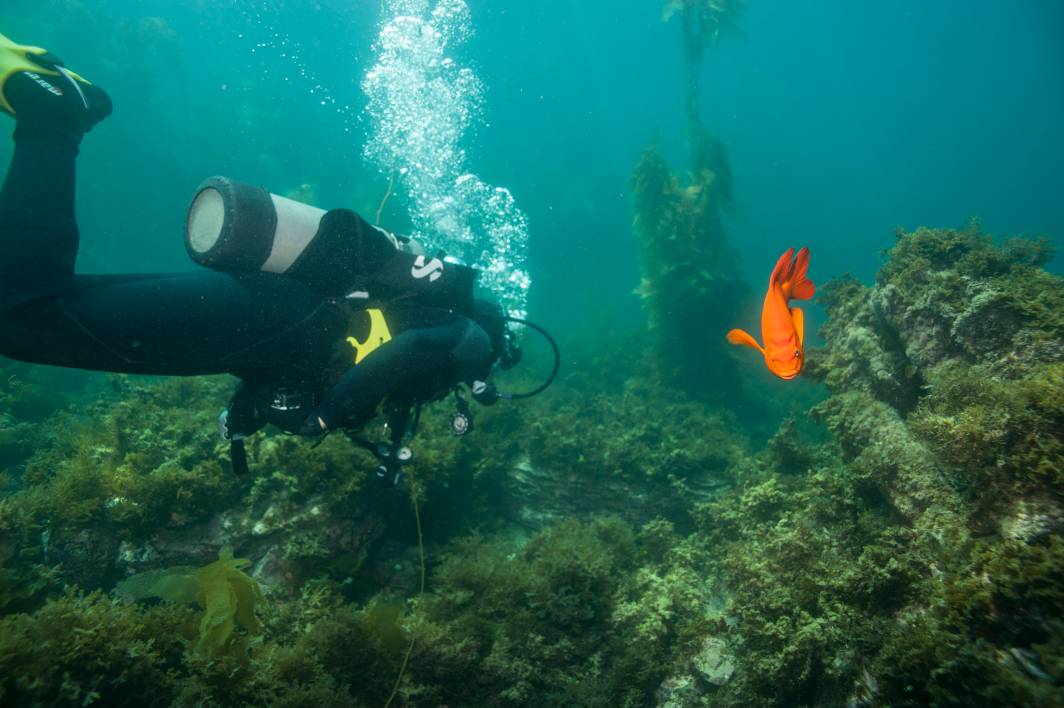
x: 651, y: 436
x: 946, y: 395
x: 561, y: 620
x: 131, y: 461
x: 80, y: 649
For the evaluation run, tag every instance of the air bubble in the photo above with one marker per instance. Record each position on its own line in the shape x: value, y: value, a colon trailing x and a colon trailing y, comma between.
x: 421, y: 103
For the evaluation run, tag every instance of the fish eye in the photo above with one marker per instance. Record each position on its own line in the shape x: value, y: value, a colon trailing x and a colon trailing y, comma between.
x: 797, y: 353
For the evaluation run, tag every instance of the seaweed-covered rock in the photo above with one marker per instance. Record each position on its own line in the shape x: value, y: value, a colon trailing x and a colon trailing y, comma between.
x: 863, y: 352
x: 797, y: 556
x: 874, y: 439
x: 714, y: 662
x: 944, y: 295
x: 954, y: 294
x: 561, y: 619
x: 964, y: 338
x: 946, y: 384
x: 147, y: 485
x: 638, y: 454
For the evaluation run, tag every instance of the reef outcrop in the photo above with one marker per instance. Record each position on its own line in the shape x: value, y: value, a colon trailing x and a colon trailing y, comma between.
x: 613, y: 542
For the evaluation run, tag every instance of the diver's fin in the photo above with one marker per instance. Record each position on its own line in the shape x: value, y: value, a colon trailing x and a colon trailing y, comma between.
x: 45, y: 96
x: 23, y: 57
x: 738, y: 336
x: 799, y: 324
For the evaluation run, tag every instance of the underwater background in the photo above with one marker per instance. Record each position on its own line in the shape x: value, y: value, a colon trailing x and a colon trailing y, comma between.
x: 669, y: 524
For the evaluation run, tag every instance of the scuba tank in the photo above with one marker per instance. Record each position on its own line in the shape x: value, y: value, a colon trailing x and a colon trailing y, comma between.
x: 239, y: 228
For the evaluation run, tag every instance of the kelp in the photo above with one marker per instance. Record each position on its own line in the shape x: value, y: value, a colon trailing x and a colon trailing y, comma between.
x: 691, y: 281
x: 226, y: 594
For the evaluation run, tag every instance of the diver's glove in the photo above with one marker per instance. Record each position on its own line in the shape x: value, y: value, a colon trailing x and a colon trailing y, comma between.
x: 347, y: 405
x: 342, y: 408
x: 244, y: 415
x: 313, y: 426
x: 45, y: 97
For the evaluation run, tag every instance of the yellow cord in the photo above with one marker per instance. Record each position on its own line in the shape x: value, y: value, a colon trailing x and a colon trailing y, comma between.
x: 420, y: 590
x: 384, y: 199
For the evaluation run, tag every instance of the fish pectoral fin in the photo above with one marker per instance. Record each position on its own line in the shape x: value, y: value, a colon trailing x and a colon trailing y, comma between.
x: 798, y: 317
x: 738, y: 336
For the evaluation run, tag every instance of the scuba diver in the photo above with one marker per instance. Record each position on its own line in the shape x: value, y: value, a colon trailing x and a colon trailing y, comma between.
x: 322, y: 316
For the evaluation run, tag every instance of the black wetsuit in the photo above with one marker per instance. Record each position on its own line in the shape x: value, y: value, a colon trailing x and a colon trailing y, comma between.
x: 263, y: 327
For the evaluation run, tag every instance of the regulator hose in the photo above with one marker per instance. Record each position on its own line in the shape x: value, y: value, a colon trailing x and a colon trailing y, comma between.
x: 554, y: 372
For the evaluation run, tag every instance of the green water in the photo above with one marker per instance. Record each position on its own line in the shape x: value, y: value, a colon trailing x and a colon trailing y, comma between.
x: 670, y: 524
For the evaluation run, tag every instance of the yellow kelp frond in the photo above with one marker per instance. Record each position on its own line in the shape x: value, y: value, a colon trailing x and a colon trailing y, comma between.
x: 227, y: 595
x: 177, y: 584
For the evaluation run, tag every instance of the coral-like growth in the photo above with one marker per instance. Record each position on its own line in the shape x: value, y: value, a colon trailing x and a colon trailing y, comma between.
x: 83, y: 649
x: 582, y: 614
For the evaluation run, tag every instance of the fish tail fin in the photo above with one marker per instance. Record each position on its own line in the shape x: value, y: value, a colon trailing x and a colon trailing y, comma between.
x: 796, y: 286
x: 739, y: 337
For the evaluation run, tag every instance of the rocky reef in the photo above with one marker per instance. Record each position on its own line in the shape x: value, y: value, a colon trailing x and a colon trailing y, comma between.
x: 613, y: 542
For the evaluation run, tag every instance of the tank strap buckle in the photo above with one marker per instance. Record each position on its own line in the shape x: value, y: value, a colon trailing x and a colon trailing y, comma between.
x: 290, y: 399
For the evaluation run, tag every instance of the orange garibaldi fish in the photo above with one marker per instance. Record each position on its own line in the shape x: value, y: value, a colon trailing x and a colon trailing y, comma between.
x: 782, y: 326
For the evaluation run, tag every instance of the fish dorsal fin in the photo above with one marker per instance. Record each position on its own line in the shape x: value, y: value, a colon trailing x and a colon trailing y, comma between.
x: 803, y: 290
x: 738, y: 336
x: 799, y: 324
x: 781, y: 272
x: 799, y: 287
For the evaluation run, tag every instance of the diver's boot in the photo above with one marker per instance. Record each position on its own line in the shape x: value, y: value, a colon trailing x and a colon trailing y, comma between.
x: 45, y: 97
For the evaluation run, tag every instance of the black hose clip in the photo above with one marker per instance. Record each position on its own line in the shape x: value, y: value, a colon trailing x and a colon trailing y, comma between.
x: 484, y: 393
x: 511, y: 353
x: 389, y: 472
